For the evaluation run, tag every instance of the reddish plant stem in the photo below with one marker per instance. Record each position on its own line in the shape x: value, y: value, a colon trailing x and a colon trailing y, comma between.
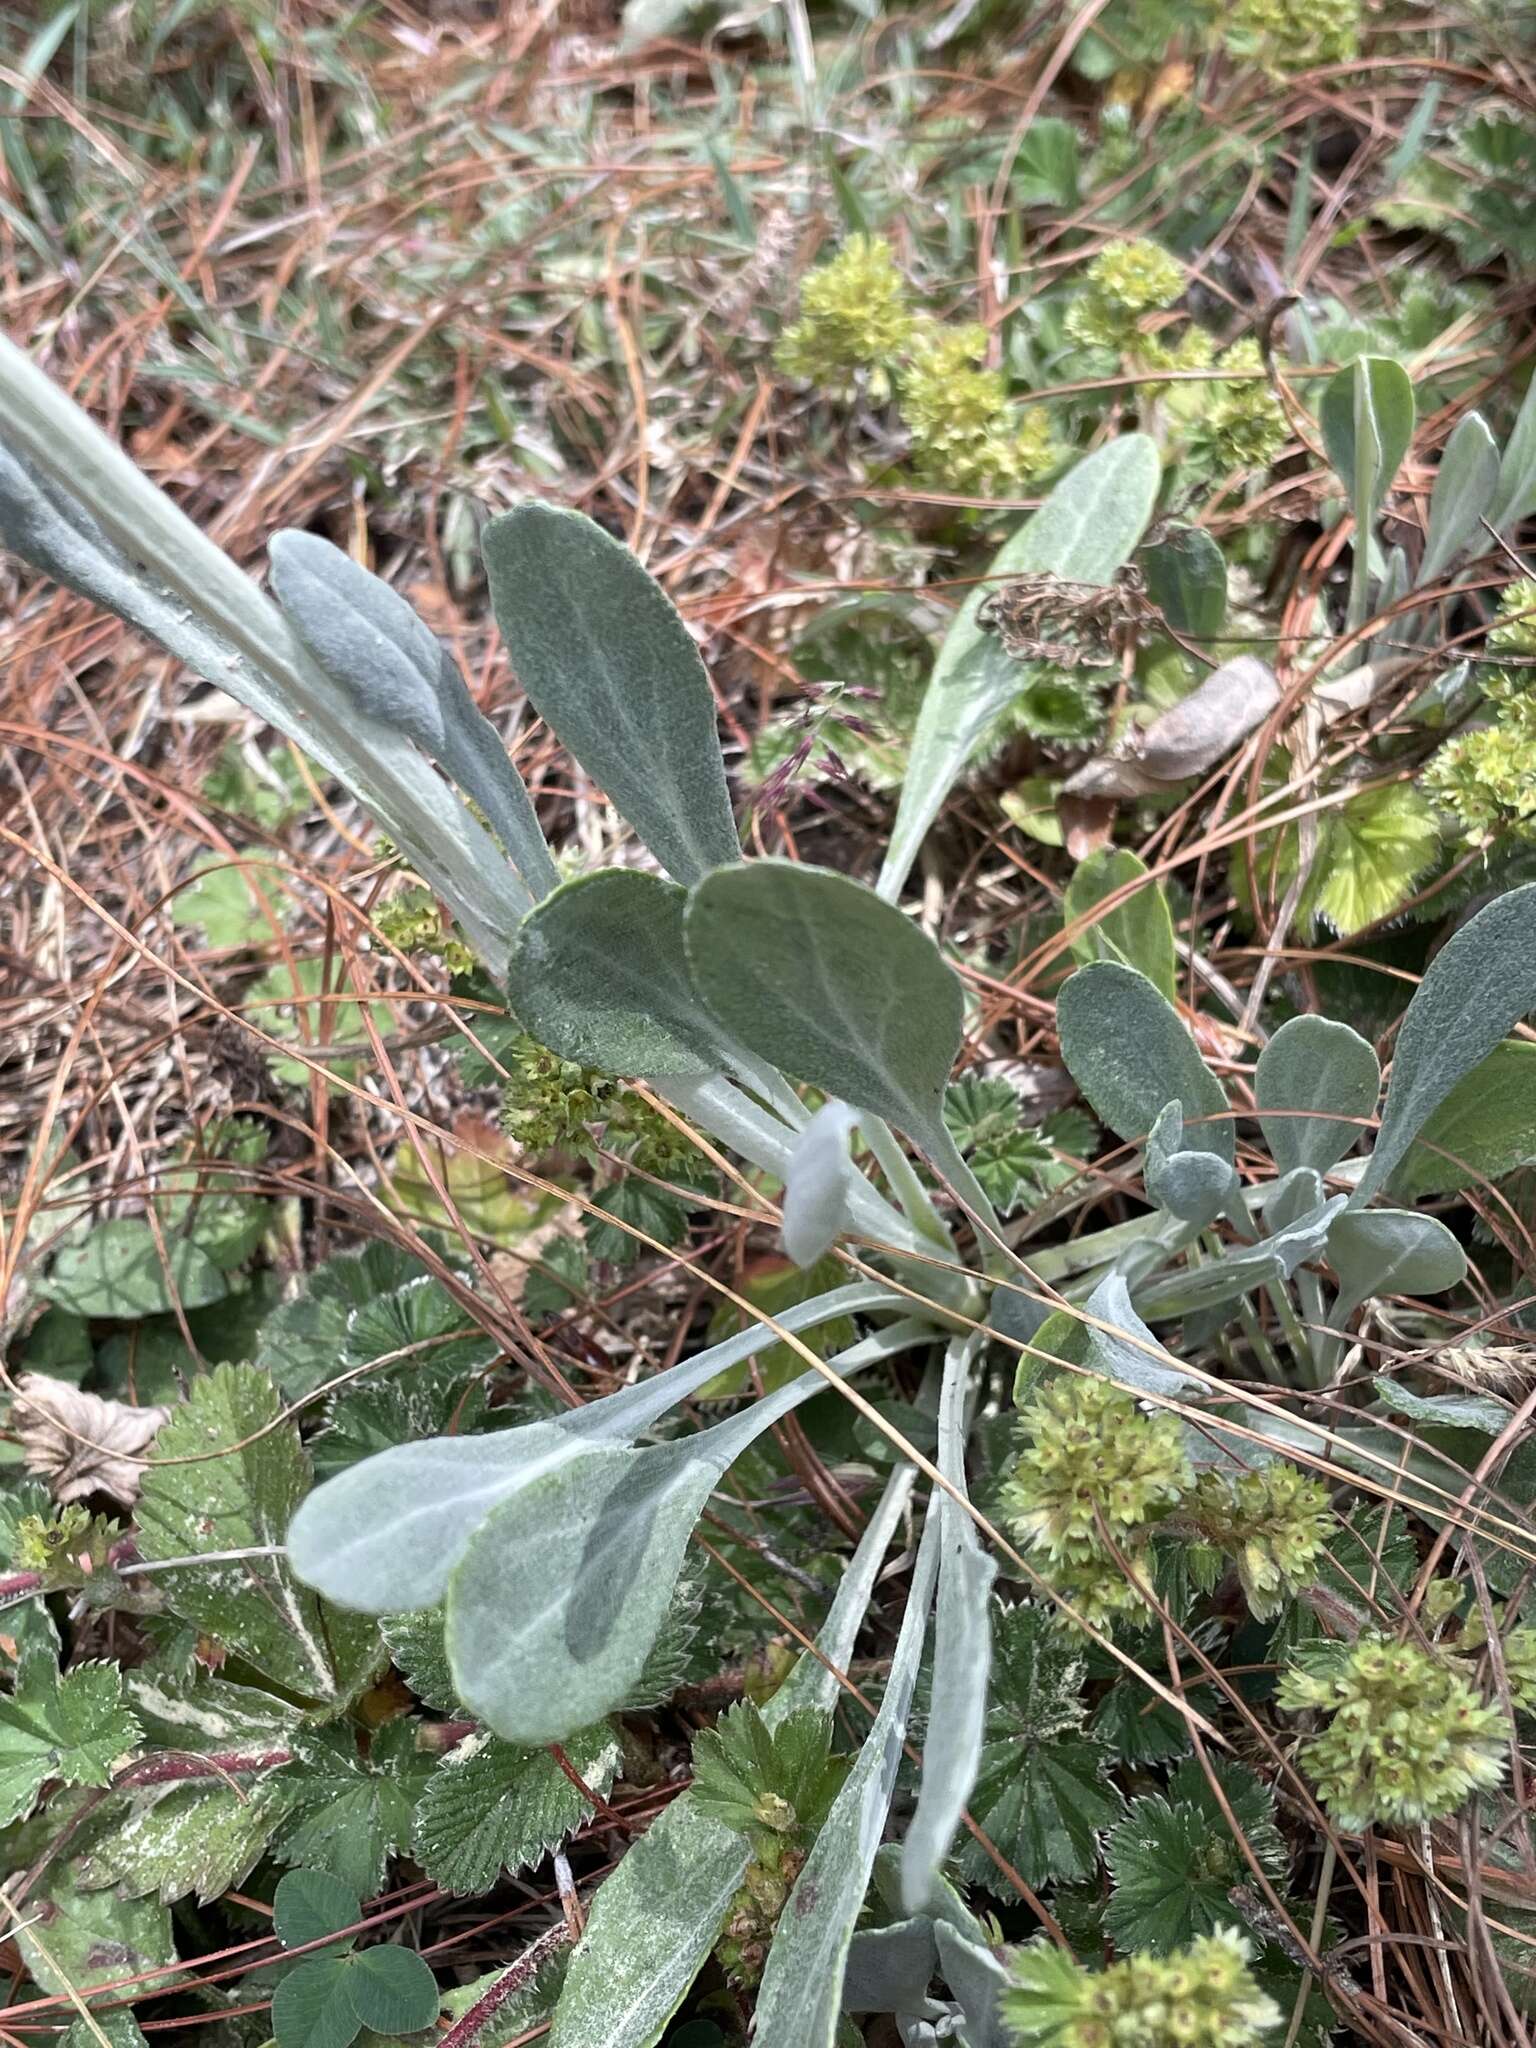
x: 463, y: 2033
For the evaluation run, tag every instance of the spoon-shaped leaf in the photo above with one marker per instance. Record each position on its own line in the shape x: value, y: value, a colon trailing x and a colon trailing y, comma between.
x: 384, y: 1535
x: 1390, y: 1251
x: 1323, y: 1078
x: 561, y: 1591
x: 1465, y: 484
x: 598, y: 973
x: 371, y: 643
x: 1480, y: 983
x: 819, y: 1185
x: 610, y: 667
x: 1367, y: 417
x: 1084, y: 532
x: 962, y: 1654
x: 1127, y: 1049
x: 817, y: 975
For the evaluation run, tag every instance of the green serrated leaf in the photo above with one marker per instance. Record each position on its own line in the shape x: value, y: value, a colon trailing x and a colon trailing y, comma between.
x: 1173, y: 1861
x: 243, y: 1477
x: 73, y: 1726
x: 491, y: 1807
x: 353, y: 1812
x: 415, y: 1642
x: 305, y: 1340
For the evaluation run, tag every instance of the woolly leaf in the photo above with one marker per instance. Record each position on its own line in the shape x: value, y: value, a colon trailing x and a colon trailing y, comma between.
x: 1484, y: 1129
x: 1390, y: 1251
x: 1367, y: 417
x: 1324, y: 1077
x: 815, y: 974
x: 1129, y: 1051
x: 818, y: 1184
x: 1465, y: 484
x: 610, y: 667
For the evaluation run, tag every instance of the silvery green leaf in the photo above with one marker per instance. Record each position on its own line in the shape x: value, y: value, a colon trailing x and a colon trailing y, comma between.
x: 1367, y: 419
x: 1295, y: 1195
x: 1085, y: 531
x: 1127, y: 1351
x: 384, y: 1535
x: 608, y: 664
x: 962, y: 1653
x: 557, y: 1599
x: 1138, y: 932
x: 1128, y: 1050
x: 889, y: 1969
x: 1465, y: 484
x: 978, y: 1979
x: 816, y: 975
x: 800, y: 1998
x: 1516, y: 495
x: 124, y: 545
x: 819, y: 1184
x: 1480, y: 984
x: 372, y: 644
x: 598, y: 974
x: 1194, y: 1186
x: 1239, y: 1271
x: 1390, y: 1251
x: 1317, y: 1081
x: 1484, y: 1129
x: 1449, y: 1411
x: 657, y: 1916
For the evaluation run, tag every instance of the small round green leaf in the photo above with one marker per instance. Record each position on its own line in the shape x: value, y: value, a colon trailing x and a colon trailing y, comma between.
x: 816, y: 974
x: 392, y: 1990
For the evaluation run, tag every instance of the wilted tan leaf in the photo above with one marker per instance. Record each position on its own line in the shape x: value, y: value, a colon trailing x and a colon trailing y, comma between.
x: 1189, y: 738
x: 81, y: 1443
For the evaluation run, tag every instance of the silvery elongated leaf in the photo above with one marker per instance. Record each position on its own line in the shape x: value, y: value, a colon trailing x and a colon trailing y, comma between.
x: 610, y: 667
x: 598, y: 974
x: 1367, y: 418
x: 1480, y: 983
x: 1085, y: 531
x: 74, y: 505
x: 1128, y: 1050
x: 1465, y: 484
x: 1449, y: 1411
x: 889, y: 1969
x: 370, y: 642
x: 655, y: 1920
x: 1390, y: 1251
x: 1515, y: 498
x: 1239, y: 1271
x: 1194, y: 1186
x: 962, y: 1652
x: 819, y: 1184
x: 1484, y: 1129
x: 800, y: 1998
x: 1294, y: 1195
x: 560, y: 1592
x: 1127, y: 1351
x: 384, y: 1535
x: 1138, y: 931
x: 817, y: 975
x: 1323, y: 1076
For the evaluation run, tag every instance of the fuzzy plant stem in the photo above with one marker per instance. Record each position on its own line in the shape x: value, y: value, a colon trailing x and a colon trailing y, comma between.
x: 465, y: 2032
x: 916, y: 1202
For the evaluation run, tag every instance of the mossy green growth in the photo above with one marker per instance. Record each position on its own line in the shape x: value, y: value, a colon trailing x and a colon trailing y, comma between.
x: 854, y: 316
x: 1231, y: 425
x: 1407, y: 1739
x: 1202, y: 1996
x: 412, y: 922
x: 1286, y: 36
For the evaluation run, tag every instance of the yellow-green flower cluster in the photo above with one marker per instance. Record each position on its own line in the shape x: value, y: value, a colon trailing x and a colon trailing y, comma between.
x: 1094, y: 1475
x: 965, y: 433
x: 1239, y: 426
x: 854, y: 316
x: 1286, y: 36
x: 1486, y: 777
x: 1274, y: 1522
x: 1202, y: 1996
x: 412, y: 922
x: 1407, y: 1738
x: 1123, y: 283
x: 548, y: 1102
